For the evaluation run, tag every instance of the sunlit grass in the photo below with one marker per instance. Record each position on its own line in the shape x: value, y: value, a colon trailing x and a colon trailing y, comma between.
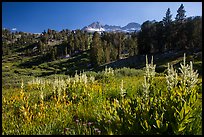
x: 104, y: 103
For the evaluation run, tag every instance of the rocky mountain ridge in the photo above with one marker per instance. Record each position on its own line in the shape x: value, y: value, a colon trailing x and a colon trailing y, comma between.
x: 97, y: 26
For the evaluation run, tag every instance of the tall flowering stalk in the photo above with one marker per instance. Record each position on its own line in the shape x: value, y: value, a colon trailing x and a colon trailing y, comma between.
x: 149, y: 75
x: 42, y: 87
x: 63, y: 87
x: 122, y: 91
x: 76, y: 77
x: 146, y: 86
x: 183, y: 96
x: 22, y: 89
x: 192, y: 76
x: 171, y: 77
x: 54, y: 88
x: 108, y: 71
x: 150, y: 70
x: 59, y: 90
x: 188, y: 75
x: 184, y: 70
x: 92, y: 79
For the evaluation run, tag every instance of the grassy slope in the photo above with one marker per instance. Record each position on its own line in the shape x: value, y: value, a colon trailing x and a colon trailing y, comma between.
x: 63, y: 115
x: 13, y: 72
x: 17, y: 67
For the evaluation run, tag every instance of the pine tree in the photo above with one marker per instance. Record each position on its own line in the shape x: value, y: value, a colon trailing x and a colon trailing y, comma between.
x: 180, y: 36
x: 76, y: 43
x: 180, y: 17
x: 86, y: 41
x: 53, y: 54
x: 113, y: 52
x: 82, y: 41
x: 167, y: 19
x: 71, y: 42
x: 96, y: 50
x: 147, y: 37
x: 118, y: 42
x: 106, y: 51
x: 129, y: 46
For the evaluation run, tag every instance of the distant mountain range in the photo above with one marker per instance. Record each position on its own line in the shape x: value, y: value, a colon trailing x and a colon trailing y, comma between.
x: 97, y: 26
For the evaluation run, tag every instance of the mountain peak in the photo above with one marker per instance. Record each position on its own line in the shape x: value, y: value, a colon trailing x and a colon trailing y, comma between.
x: 97, y: 26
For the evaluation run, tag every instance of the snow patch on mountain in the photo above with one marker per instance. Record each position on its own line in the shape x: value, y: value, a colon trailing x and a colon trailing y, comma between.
x: 97, y: 26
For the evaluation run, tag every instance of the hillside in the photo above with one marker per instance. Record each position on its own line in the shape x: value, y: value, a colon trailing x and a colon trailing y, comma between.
x: 136, y: 79
x: 16, y: 66
x: 32, y: 96
x: 52, y: 88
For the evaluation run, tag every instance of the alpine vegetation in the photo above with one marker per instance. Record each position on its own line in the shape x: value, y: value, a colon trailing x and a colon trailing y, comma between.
x: 110, y: 105
x: 97, y: 80
x: 149, y: 76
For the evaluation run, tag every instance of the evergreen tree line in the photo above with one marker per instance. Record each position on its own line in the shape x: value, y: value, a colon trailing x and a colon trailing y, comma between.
x: 180, y: 34
x: 109, y: 47
x: 70, y: 44
x: 168, y: 34
x: 155, y: 37
x: 11, y: 41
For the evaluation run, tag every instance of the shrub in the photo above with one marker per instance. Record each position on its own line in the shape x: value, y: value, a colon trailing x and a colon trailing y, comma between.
x: 128, y: 72
x: 114, y: 105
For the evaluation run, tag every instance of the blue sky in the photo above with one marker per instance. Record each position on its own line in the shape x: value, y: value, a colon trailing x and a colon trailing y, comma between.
x: 36, y: 17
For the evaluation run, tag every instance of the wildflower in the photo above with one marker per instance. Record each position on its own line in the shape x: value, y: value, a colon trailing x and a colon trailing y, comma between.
x: 171, y: 78
x: 189, y: 77
x: 148, y: 78
x: 21, y: 91
x: 96, y: 129
x: 149, y: 70
x: 22, y: 85
x: 90, y: 123
x: 108, y: 71
x: 65, y: 130
x: 92, y: 79
x: 192, y: 76
x: 146, y: 86
x: 99, y: 132
x: 121, y: 87
x: 84, y: 124
x: 77, y: 121
x: 41, y: 96
x: 122, y: 92
x: 68, y: 80
x: 35, y: 106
